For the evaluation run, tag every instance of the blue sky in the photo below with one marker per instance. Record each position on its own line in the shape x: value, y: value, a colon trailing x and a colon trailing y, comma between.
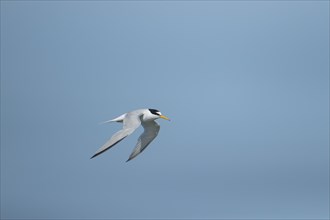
x: 246, y: 84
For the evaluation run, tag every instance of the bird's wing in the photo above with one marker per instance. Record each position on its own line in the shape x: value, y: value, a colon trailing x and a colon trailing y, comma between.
x: 151, y: 129
x: 131, y: 123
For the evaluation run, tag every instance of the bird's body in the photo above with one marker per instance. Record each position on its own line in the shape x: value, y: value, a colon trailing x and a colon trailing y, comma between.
x: 131, y: 121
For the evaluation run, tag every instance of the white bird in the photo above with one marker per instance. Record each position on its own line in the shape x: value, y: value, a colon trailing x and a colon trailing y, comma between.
x: 131, y: 121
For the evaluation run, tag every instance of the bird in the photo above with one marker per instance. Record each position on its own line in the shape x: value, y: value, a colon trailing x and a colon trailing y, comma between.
x: 131, y: 121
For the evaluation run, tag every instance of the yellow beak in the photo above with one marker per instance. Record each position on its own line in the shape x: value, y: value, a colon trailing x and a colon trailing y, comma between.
x: 164, y: 117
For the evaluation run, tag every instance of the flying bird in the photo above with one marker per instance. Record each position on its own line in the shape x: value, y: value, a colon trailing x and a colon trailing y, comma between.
x: 131, y: 121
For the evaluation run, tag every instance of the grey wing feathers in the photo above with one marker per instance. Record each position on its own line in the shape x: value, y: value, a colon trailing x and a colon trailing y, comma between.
x: 151, y: 130
x: 131, y: 123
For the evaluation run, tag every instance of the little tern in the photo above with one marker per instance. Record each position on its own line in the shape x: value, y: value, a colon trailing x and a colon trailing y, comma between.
x: 131, y: 121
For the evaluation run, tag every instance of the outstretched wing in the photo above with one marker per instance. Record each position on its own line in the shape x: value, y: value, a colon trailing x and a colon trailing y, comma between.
x: 151, y: 129
x: 131, y: 123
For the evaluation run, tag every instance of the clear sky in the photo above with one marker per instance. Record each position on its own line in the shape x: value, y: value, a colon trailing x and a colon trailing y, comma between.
x: 246, y: 84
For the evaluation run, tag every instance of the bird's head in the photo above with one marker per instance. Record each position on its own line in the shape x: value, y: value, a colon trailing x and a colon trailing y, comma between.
x: 157, y: 114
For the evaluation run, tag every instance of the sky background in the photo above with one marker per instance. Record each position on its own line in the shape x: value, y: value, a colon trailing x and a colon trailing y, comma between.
x: 246, y: 84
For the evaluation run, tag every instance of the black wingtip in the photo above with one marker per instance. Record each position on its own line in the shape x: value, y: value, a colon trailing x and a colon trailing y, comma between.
x: 130, y: 158
x: 97, y: 154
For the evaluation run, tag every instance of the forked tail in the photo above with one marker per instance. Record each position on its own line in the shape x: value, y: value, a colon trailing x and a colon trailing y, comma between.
x: 118, y: 119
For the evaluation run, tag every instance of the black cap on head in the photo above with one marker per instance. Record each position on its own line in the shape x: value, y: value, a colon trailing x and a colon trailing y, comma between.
x: 154, y: 111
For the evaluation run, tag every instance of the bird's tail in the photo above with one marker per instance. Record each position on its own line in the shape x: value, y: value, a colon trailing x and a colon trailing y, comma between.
x: 118, y: 119
x: 104, y: 122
